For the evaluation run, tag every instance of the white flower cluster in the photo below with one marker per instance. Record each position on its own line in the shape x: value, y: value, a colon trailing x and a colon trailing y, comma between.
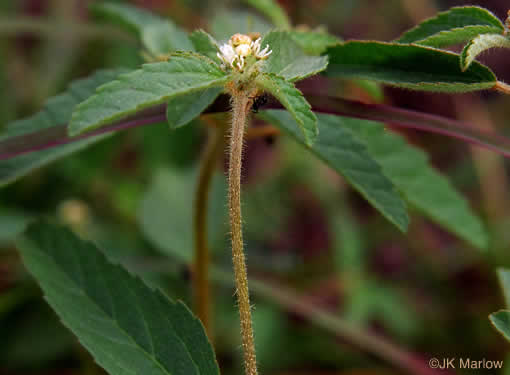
x: 239, y: 47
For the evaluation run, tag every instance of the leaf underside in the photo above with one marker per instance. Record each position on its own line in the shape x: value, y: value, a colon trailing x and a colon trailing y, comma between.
x: 338, y: 148
x: 479, y: 45
x: 421, y: 185
x: 128, y: 327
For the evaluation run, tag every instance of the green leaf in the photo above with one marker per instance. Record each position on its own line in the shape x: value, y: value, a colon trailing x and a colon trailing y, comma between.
x: 288, y: 60
x: 481, y: 44
x: 272, y: 10
x: 181, y: 110
x: 457, y: 25
x: 205, y: 44
x: 501, y: 321
x: 338, y: 148
x: 504, y: 281
x: 57, y: 111
x: 422, y: 186
x: 166, y: 218
x: 154, y: 84
x: 127, y: 326
x: 314, y: 42
x: 164, y: 37
x: 292, y: 99
x: 227, y: 23
x: 410, y: 66
x: 132, y: 18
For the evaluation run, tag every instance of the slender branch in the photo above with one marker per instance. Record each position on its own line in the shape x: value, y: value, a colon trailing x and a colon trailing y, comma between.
x: 201, y: 288
x: 57, y: 135
x: 240, y: 111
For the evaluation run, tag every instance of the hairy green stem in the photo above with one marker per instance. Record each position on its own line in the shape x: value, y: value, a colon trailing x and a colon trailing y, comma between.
x: 201, y: 261
x: 240, y: 110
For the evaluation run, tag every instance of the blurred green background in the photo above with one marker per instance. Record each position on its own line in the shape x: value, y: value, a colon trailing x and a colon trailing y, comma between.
x: 426, y: 294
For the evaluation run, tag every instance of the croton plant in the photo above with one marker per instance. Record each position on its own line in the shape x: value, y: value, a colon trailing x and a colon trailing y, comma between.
x: 130, y: 328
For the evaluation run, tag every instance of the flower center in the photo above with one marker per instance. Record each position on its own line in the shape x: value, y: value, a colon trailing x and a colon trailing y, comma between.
x: 240, y: 46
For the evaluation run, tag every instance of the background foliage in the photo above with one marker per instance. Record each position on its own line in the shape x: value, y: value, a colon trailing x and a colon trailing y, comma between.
x: 427, y: 292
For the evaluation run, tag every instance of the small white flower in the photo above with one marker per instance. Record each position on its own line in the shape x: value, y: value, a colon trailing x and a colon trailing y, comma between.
x: 243, y: 50
x: 258, y: 53
x: 238, y: 48
x: 227, y: 55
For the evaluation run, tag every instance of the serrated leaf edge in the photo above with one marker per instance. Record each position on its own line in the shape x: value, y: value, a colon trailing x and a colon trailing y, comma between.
x: 479, y: 45
x: 218, y: 82
x: 274, y: 78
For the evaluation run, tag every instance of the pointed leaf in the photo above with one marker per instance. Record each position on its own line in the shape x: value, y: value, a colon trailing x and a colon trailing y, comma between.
x: 288, y: 60
x: 154, y: 84
x: 181, y: 110
x: 292, y: 99
x: 409, y: 66
x: 127, y: 326
x: 338, y: 148
x: 422, y: 186
x: 457, y: 25
x: 501, y: 321
x: 314, y: 42
x: 164, y: 37
x: 56, y: 112
x: 481, y: 44
x: 272, y: 10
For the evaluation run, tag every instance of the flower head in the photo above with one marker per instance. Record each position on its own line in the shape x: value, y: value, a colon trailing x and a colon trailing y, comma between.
x: 264, y: 54
x: 234, y: 53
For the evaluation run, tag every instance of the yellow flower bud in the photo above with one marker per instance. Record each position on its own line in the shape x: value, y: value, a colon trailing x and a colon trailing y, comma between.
x: 239, y: 39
